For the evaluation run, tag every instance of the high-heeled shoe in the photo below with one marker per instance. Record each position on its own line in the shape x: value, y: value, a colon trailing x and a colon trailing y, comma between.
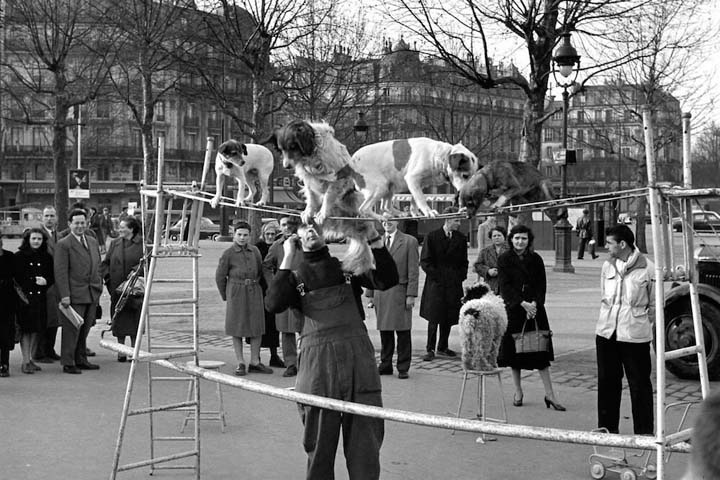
x: 549, y: 403
x: 516, y: 402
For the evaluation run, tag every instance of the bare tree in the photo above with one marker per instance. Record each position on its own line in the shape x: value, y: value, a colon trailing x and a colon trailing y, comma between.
x: 150, y: 38
x: 706, y: 157
x: 463, y: 34
x: 49, y: 68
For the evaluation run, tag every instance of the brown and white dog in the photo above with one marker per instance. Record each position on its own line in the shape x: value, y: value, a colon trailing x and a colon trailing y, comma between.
x: 320, y: 161
x: 243, y: 162
x: 510, y: 183
x: 397, y: 166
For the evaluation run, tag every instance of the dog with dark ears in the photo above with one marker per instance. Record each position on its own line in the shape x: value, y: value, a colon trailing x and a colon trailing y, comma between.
x: 242, y: 162
x: 483, y: 321
x: 320, y: 162
x: 511, y: 183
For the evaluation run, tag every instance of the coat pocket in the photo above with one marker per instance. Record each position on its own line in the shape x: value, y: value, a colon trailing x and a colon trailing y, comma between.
x: 639, y: 326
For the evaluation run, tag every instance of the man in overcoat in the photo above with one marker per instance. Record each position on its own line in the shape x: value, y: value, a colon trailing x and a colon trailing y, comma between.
x: 393, y: 307
x: 77, y: 277
x: 45, y: 349
x: 444, y: 259
x: 288, y: 322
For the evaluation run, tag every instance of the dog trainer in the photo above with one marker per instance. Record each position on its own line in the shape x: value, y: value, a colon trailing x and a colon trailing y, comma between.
x: 337, y: 359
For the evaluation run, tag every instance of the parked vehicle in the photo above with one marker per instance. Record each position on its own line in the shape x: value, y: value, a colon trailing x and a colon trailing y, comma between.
x: 208, y: 229
x: 679, y: 332
x: 13, y: 222
x: 702, y: 221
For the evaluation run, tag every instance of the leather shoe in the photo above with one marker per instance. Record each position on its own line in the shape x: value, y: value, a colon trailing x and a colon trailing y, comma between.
x: 446, y: 352
x: 275, y: 361
x: 291, y: 371
x: 240, y: 371
x: 428, y: 356
x: 259, y: 368
x: 88, y: 366
x: 89, y: 352
x: 71, y: 369
x: 403, y: 375
x: 385, y: 371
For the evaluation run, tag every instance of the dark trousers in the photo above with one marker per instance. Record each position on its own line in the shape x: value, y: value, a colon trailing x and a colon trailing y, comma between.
x: 387, y: 348
x: 581, y: 248
x: 634, y: 358
x: 73, y: 349
x: 4, y: 356
x: 46, y: 342
x: 432, y: 336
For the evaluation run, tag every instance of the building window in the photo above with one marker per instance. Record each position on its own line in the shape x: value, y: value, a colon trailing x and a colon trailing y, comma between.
x: 137, y: 172
x: 160, y: 111
x: 190, y: 141
x: 39, y: 139
x: 548, y: 134
x: 102, y: 173
x: 102, y: 109
x: 581, y: 115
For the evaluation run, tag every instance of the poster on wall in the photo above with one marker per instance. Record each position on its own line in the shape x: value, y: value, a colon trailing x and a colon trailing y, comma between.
x: 79, y: 183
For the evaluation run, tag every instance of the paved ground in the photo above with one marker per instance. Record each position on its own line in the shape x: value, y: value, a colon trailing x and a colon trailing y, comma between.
x: 64, y: 427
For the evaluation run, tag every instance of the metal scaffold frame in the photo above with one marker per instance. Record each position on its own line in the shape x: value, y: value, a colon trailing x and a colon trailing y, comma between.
x: 662, y: 443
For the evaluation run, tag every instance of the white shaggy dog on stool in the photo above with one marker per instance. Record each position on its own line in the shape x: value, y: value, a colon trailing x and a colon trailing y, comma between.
x: 483, y: 321
x: 242, y: 162
x: 397, y: 166
x: 320, y: 161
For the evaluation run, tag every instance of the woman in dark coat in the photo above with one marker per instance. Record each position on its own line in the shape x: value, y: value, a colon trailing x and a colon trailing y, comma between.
x: 122, y: 258
x: 271, y: 338
x: 523, y: 286
x: 8, y: 300
x: 33, y: 270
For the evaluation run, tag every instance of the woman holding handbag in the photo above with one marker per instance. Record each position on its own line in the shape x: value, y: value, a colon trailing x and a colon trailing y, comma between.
x: 527, y: 343
x: 122, y: 258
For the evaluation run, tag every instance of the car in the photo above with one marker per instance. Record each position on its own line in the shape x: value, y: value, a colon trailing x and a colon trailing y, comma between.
x: 208, y: 229
x: 703, y: 221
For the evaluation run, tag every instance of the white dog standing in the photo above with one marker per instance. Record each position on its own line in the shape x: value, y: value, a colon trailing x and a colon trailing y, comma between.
x: 397, y: 166
x: 242, y: 162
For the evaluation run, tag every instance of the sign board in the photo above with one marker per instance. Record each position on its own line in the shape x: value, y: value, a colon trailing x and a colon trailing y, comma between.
x: 79, y: 183
x: 564, y: 157
x: 132, y: 206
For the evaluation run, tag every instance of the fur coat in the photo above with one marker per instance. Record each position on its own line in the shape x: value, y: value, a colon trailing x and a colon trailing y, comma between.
x: 482, y: 324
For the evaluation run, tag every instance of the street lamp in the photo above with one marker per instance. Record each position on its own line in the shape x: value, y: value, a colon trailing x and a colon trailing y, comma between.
x: 361, y: 129
x: 567, y: 64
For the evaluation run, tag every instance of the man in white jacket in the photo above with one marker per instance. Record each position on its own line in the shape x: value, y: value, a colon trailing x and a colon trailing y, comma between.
x: 624, y: 332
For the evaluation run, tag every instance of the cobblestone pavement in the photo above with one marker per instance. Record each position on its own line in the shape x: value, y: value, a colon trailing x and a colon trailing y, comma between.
x: 677, y: 390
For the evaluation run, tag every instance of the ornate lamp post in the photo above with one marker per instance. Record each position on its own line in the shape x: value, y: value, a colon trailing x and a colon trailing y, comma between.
x: 361, y: 130
x: 567, y: 64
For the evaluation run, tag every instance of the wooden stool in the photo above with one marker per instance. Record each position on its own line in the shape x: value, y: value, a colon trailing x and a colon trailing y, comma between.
x: 482, y: 398
x: 219, y: 414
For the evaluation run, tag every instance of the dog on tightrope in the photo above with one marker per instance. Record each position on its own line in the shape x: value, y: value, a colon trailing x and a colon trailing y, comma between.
x: 483, y: 321
x: 397, y: 166
x: 246, y: 163
x: 511, y: 183
x: 320, y: 162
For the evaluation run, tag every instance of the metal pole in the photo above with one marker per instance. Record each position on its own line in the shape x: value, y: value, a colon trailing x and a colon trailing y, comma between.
x: 687, y: 151
x: 563, y: 229
x: 79, y: 137
x: 656, y: 217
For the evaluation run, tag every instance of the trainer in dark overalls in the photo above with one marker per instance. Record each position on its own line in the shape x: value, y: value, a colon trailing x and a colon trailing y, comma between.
x: 336, y: 358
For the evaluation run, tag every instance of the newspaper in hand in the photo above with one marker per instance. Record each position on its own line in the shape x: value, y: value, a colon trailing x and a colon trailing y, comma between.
x: 72, y: 315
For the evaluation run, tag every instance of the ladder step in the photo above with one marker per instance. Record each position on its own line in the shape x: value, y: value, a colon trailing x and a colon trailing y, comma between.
x: 683, y: 352
x: 171, y: 314
x: 174, y: 301
x: 156, y: 460
x: 148, y: 357
x: 173, y: 379
x: 172, y: 280
x: 173, y: 439
x: 169, y: 346
x: 681, y: 436
x: 162, y: 408
x: 175, y: 467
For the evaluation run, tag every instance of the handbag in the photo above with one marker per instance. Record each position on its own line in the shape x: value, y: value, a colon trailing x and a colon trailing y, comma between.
x: 20, y: 294
x: 532, y: 341
x: 98, y: 312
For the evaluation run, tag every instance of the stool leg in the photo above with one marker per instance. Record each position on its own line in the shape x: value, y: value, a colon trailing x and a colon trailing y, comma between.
x: 462, y: 394
x: 502, y: 397
x: 221, y: 408
x: 189, y: 415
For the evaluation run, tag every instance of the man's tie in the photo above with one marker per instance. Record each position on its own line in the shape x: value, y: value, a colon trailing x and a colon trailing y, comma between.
x: 84, y: 242
x: 388, y: 241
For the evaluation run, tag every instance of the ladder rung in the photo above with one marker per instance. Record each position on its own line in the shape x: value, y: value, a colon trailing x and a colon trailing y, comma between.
x: 173, y: 439
x: 148, y: 357
x: 168, y: 346
x: 174, y: 379
x: 173, y: 301
x: 171, y: 314
x: 153, y: 461
x: 683, y: 352
x: 162, y: 408
x: 175, y: 467
x: 172, y: 280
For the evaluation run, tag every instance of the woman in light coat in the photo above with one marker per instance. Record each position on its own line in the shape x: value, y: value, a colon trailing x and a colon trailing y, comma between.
x: 486, y: 265
x: 238, y: 278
